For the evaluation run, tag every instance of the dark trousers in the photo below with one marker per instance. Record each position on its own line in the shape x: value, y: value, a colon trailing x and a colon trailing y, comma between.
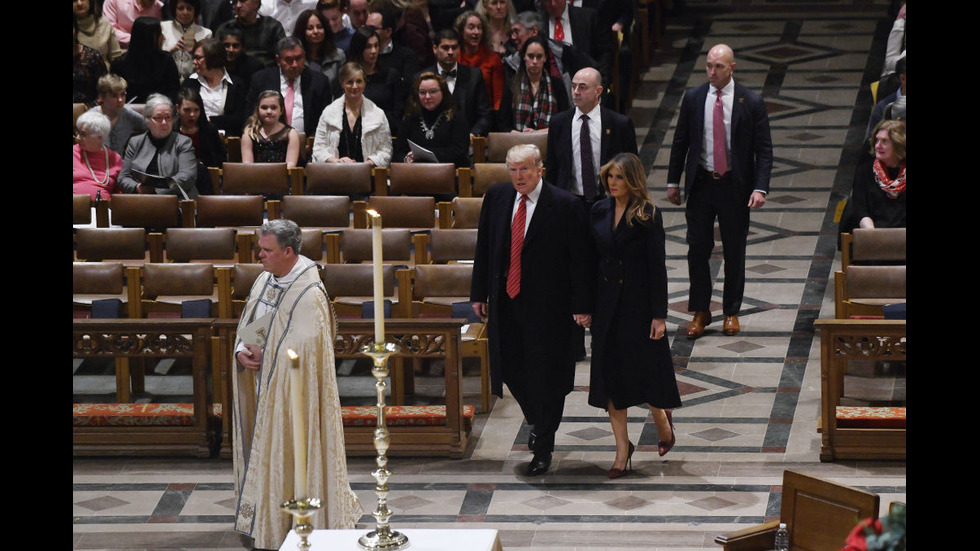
x: 719, y: 199
x: 541, y: 407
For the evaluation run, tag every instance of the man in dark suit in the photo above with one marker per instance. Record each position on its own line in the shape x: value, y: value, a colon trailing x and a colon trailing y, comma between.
x: 399, y: 57
x: 310, y: 90
x: 609, y: 134
x: 465, y: 83
x: 585, y: 29
x: 532, y: 274
x: 723, y: 146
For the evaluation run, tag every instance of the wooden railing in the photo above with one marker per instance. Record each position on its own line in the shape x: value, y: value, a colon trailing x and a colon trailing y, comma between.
x: 210, y: 342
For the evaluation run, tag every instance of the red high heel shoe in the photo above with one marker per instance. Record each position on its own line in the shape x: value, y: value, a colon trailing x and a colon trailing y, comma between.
x: 663, y: 447
x: 617, y: 473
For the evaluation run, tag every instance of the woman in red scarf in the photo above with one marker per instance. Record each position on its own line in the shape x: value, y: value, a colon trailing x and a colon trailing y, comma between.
x: 878, y: 198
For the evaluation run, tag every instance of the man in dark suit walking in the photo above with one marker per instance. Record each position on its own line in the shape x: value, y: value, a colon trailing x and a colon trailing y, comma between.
x: 532, y: 278
x: 583, y: 139
x: 309, y: 90
x: 465, y: 83
x: 723, y: 146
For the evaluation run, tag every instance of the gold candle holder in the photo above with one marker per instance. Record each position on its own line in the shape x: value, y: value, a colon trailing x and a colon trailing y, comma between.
x: 302, y: 511
x: 382, y: 537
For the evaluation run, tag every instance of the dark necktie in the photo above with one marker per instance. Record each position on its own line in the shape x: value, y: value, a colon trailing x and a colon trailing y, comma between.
x: 516, y: 245
x: 588, y: 163
x: 449, y: 74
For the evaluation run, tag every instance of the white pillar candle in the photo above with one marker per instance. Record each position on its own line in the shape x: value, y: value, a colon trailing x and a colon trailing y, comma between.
x: 298, y: 415
x: 379, y: 313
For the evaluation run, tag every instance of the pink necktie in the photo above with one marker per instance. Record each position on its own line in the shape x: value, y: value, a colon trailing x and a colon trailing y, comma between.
x: 559, y: 31
x: 718, y: 135
x: 516, y: 245
x: 290, y: 98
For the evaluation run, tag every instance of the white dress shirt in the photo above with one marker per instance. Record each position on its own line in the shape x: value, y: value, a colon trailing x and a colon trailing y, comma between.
x: 566, y: 25
x: 214, y: 98
x: 286, y: 12
x: 708, y: 149
x: 297, y: 121
x: 532, y: 202
x: 595, y: 132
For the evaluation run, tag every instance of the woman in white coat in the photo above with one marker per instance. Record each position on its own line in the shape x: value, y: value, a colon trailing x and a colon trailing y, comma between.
x: 353, y: 129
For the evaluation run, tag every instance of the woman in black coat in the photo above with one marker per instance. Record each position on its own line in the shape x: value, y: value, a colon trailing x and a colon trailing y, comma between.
x: 631, y: 361
x: 433, y: 122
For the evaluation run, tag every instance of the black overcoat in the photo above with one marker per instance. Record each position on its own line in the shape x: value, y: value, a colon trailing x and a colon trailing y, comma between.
x: 631, y: 290
x: 557, y: 270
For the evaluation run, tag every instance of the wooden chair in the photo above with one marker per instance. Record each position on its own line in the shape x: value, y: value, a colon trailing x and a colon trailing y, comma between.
x: 234, y: 285
x: 329, y: 212
x: 460, y: 213
x: 158, y: 212
x: 95, y: 281
x: 100, y: 244
x: 351, y: 179
x: 236, y: 211
x: 76, y: 111
x: 418, y: 213
x: 253, y: 178
x: 434, y: 179
x: 863, y: 381
x: 216, y: 246
x: 167, y: 286
x: 865, y: 290
x: 81, y: 208
x: 473, y: 182
x: 445, y: 246
x: 873, y: 246
x: 349, y: 286
x: 499, y: 143
x: 396, y: 246
x: 431, y: 291
x: 819, y: 515
x: 479, y: 146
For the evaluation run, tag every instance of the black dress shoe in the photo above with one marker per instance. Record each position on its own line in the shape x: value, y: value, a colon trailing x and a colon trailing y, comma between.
x: 539, y: 464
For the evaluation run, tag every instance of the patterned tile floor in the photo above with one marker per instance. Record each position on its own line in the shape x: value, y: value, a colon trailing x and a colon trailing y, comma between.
x: 750, y: 402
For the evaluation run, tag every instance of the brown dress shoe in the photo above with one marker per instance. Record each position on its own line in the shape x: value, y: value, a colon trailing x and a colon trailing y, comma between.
x: 731, y: 326
x: 696, y: 328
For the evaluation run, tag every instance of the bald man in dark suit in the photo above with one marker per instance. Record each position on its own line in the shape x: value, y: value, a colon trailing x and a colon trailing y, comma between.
x: 723, y: 146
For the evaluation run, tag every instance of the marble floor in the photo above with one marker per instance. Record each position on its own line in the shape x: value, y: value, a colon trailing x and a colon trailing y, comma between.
x: 750, y: 402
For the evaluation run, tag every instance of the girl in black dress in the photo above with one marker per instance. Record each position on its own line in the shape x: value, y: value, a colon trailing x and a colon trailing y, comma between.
x: 631, y: 361
x: 267, y: 138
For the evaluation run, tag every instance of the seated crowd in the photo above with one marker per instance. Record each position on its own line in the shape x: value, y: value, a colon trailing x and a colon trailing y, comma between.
x: 438, y: 74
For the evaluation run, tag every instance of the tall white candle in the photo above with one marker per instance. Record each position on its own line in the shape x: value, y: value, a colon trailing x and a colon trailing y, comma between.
x: 379, y: 313
x: 298, y: 415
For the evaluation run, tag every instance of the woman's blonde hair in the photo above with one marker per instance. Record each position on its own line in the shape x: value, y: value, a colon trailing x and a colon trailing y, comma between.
x: 636, y: 182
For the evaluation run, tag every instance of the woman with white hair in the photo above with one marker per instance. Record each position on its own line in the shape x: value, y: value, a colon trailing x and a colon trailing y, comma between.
x: 160, y: 160
x: 95, y: 167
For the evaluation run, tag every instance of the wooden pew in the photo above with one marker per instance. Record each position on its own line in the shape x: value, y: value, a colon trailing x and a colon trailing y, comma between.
x: 873, y: 431
x: 145, y: 429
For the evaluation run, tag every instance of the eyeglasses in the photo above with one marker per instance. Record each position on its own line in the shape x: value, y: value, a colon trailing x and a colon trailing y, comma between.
x: 160, y: 119
x: 426, y: 93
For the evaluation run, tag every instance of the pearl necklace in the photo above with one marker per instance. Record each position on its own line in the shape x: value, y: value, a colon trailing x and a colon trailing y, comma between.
x: 89, y: 165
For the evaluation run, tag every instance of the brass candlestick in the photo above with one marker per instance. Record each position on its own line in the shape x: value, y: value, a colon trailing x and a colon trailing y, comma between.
x: 382, y: 536
x: 302, y: 511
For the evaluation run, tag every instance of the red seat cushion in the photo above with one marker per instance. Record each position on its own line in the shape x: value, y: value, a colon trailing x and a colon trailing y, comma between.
x: 870, y: 417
